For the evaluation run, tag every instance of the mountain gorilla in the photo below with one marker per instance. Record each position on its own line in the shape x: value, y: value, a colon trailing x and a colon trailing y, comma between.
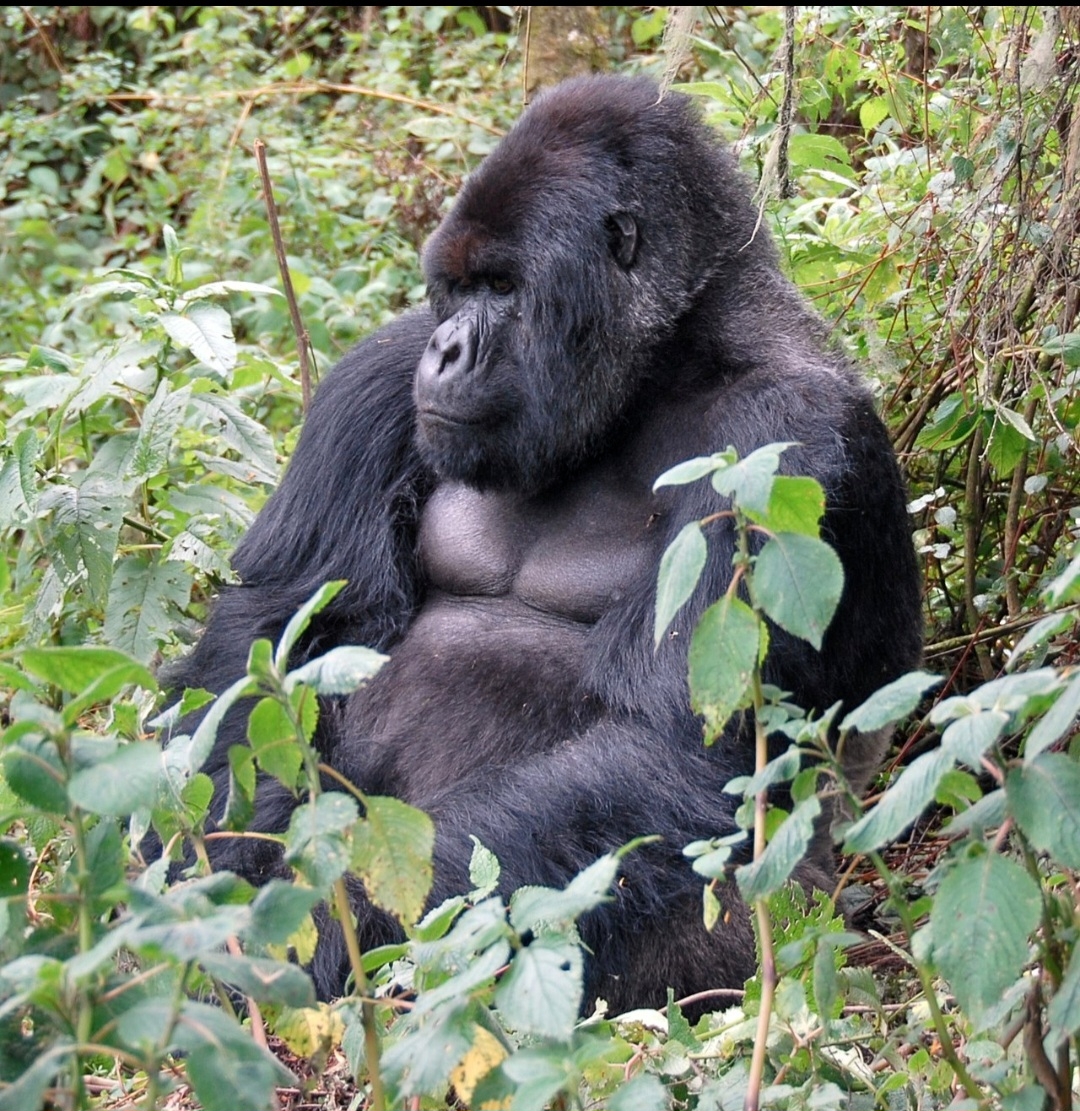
x: 601, y: 307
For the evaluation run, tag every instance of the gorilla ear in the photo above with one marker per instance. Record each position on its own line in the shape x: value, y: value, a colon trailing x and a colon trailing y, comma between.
x: 622, y: 238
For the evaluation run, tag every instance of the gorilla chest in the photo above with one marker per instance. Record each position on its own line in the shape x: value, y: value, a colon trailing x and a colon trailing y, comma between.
x: 568, y: 554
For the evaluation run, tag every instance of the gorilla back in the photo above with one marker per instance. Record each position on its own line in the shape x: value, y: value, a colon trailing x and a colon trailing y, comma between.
x: 480, y: 471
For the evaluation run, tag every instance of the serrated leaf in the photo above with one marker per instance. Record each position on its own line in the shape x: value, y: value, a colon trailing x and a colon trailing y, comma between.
x: 85, y: 527
x: 789, y: 844
x: 223, y: 289
x: 340, y: 671
x: 873, y: 111
x: 798, y: 581
x: 892, y: 703
x: 123, y: 782
x: 541, y: 993
x: 533, y: 908
x: 161, y: 419
x: 316, y: 844
x: 205, y: 331
x: 984, y: 911
x: 146, y: 599
x: 484, y: 871
x: 1044, y: 798
x: 680, y: 569
x: 485, y: 1054
x: 901, y: 804
x: 245, y: 436
x: 392, y: 850
x: 310, y: 1030
x: 724, y: 651
x: 968, y: 737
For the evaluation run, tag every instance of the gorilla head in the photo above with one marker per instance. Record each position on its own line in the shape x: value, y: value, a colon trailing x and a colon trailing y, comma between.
x: 570, y: 256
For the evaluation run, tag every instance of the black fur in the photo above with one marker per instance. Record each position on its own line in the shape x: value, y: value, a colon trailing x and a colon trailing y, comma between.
x: 480, y: 471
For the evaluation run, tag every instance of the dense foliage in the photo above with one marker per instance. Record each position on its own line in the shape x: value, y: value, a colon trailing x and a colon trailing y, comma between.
x: 926, y: 197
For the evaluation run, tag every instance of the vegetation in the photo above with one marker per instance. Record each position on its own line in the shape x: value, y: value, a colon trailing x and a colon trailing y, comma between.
x: 926, y: 196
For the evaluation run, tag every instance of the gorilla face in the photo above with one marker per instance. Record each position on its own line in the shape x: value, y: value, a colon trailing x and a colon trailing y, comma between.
x: 570, y: 254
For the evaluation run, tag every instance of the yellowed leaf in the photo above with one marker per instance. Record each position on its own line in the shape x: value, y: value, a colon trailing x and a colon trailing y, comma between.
x: 310, y: 1030
x: 487, y: 1052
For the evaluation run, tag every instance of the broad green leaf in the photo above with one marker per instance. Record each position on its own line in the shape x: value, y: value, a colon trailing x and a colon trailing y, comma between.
x: 421, y: 1061
x: 541, y: 993
x: 160, y: 422
x: 901, y: 804
x: 894, y: 702
x: 724, y: 651
x: 223, y: 289
x: 1067, y: 346
x: 1043, y: 631
x: 796, y: 504
x: 146, y: 600
x: 198, y: 750
x: 680, y: 568
x: 749, y: 482
x: 205, y: 331
x: 245, y: 436
x: 645, y: 1092
x: 316, y: 844
x: 278, y: 911
x: 968, y: 737
x: 798, y: 581
x: 300, y: 620
x: 533, y: 908
x: 85, y: 526
x: 33, y: 771
x: 984, y: 911
x: 78, y: 667
x: 540, y: 1074
x: 340, y: 671
x: 1065, y: 587
x: 192, y: 937
x: 392, y: 849
x: 240, y: 802
x: 274, y: 741
x: 872, y: 111
x: 1057, y: 721
x: 264, y: 980
x: 123, y: 782
x: 1044, y: 797
x: 484, y: 871
x: 789, y: 844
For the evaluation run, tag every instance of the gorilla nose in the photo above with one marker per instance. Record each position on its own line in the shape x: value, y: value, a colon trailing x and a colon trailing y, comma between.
x: 450, y: 353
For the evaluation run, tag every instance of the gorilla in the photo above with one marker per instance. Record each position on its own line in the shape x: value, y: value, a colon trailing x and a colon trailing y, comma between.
x: 601, y: 306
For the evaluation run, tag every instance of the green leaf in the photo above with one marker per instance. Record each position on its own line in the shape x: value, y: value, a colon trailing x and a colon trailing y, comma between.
x: 316, y: 843
x: 693, y: 469
x: 81, y: 666
x: 540, y: 908
x: 274, y: 742
x: 1044, y: 797
x: 263, y: 979
x: 749, y: 482
x: 85, y: 527
x: 161, y: 419
x: 14, y: 869
x: 203, y: 741
x: 278, y: 911
x: 894, y: 702
x: 249, y: 439
x: 796, y: 504
x: 968, y: 737
x: 300, y: 620
x: 29, y: 1088
x: 901, y: 804
x: 145, y: 603
x: 645, y: 1092
x: 798, y: 581
x: 1058, y: 720
x: 1064, y: 1010
x: 392, y: 849
x: 484, y: 871
x: 1067, y: 346
x: 724, y: 651
x: 789, y: 844
x: 205, y: 331
x: 984, y: 911
x: 680, y: 568
x: 541, y: 993
x: 33, y: 771
x: 873, y: 111
x: 123, y: 782
x: 340, y: 671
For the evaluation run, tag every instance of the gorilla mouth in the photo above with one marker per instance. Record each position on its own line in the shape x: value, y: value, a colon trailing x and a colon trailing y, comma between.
x: 441, y: 418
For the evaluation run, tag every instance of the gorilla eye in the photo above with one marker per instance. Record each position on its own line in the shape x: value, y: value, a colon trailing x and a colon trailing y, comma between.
x: 501, y: 286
